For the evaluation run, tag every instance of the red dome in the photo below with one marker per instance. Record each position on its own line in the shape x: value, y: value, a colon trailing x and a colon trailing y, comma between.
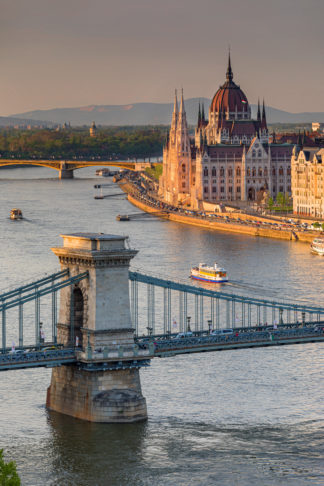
x: 229, y: 96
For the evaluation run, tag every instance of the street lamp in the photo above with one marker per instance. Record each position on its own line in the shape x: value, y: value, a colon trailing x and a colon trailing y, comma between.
x: 280, y: 316
x: 188, y: 324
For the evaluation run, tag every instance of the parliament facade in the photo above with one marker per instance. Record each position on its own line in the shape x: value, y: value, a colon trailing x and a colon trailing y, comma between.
x: 230, y: 157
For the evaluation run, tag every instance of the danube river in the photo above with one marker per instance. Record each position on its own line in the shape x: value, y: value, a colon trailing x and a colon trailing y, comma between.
x: 243, y: 417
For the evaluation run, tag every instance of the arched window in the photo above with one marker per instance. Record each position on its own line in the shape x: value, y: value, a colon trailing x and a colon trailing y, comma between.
x: 266, y: 172
x: 253, y: 172
x: 222, y: 171
x: 230, y: 172
x: 248, y: 171
x: 260, y: 172
x: 259, y: 153
x: 214, y: 171
x: 281, y: 172
x: 274, y: 171
x: 205, y: 172
x: 289, y: 171
x: 253, y: 153
x: 183, y: 168
x: 238, y: 171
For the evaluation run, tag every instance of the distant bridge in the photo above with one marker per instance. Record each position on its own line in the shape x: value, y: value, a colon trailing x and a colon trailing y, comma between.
x: 67, y: 167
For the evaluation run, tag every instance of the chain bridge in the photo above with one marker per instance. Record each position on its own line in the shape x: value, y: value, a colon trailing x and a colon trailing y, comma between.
x: 96, y: 324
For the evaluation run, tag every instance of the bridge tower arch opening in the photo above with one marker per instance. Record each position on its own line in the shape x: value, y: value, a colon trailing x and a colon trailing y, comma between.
x: 78, y: 311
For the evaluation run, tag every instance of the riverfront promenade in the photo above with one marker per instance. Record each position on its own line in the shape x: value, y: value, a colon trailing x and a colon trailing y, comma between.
x: 229, y: 222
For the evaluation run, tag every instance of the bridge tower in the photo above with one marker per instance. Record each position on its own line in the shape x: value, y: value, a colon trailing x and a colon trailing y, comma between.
x: 95, y: 314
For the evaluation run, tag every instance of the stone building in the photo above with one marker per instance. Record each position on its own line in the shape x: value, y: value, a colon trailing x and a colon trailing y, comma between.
x: 230, y: 157
x: 307, y: 181
x: 93, y: 130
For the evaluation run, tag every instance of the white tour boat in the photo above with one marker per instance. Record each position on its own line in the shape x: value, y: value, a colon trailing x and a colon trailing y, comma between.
x: 214, y: 274
x: 317, y: 246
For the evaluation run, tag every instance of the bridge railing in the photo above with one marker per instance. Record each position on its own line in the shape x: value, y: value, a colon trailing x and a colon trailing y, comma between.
x: 33, y: 292
x: 168, y: 306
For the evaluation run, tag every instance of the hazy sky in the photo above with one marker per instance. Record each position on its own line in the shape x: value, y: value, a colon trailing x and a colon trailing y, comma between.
x: 65, y: 53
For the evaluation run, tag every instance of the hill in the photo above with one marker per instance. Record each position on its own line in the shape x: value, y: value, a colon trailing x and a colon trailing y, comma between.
x: 148, y: 114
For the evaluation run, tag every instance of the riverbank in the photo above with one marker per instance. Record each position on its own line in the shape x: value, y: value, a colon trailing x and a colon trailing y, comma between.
x: 237, y: 227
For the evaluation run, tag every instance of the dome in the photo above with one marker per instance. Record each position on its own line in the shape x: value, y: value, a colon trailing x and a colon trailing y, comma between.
x: 229, y: 97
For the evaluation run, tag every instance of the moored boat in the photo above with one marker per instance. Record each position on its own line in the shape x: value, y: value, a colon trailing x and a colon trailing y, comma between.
x: 16, y: 214
x: 214, y: 274
x: 122, y: 217
x: 317, y: 246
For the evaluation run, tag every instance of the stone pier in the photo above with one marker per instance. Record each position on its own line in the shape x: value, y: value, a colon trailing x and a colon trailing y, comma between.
x: 95, y: 315
x: 65, y: 172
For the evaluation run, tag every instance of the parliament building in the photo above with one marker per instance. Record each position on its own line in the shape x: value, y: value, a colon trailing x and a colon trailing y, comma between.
x: 230, y: 157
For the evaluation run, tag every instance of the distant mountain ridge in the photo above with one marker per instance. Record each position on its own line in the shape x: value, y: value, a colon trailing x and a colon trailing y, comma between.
x: 148, y: 114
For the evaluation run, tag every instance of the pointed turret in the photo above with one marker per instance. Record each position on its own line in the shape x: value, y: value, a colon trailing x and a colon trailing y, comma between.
x: 175, y: 112
x: 264, y: 120
x: 199, y: 117
x: 203, y: 113
x: 259, y: 112
x: 182, y: 119
x: 304, y: 138
x: 229, y: 72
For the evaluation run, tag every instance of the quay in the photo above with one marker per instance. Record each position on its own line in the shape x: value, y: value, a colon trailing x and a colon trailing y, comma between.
x: 240, y: 227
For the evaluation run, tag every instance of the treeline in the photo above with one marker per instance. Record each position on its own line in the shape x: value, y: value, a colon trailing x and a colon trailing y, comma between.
x: 68, y: 143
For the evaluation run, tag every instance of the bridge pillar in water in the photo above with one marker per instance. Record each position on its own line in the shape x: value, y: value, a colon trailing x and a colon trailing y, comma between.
x: 65, y: 172
x: 96, y: 313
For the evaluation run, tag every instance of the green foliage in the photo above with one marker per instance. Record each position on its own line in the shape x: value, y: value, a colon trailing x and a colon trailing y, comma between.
x: 8, y: 473
x: 109, y: 143
x: 322, y: 226
x: 270, y: 203
x: 283, y: 202
x: 155, y: 171
x: 316, y: 224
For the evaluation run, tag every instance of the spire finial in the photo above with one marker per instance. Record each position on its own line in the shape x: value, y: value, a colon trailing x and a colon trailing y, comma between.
x: 199, y: 115
x: 229, y: 72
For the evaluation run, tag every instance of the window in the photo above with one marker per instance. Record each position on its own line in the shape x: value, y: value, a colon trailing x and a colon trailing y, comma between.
x: 205, y: 172
x: 230, y: 172
x: 281, y: 189
x: 214, y: 172
x: 253, y: 172
x: 222, y: 189
x: 205, y: 189
x: 266, y: 172
x: 248, y: 172
x: 222, y: 172
x: 253, y: 153
x: 183, y: 168
x: 214, y: 189
x: 238, y: 171
x: 289, y: 171
x: 230, y: 189
x: 183, y: 185
x: 274, y: 171
x: 260, y: 172
x: 238, y: 189
x: 259, y: 153
x: 281, y: 172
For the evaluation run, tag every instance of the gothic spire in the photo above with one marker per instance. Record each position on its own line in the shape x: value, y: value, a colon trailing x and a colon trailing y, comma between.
x: 259, y: 112
x: 203, y: 112
x: 264, y: 120
x: 199, y: 116
x: 229, y: 72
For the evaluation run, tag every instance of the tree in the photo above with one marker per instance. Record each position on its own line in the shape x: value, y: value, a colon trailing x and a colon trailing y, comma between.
x: 8, y: 472
x: 270, y: 203
x: 316, y: 225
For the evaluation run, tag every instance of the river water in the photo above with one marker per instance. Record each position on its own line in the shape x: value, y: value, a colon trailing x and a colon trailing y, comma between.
x: 241, y: 417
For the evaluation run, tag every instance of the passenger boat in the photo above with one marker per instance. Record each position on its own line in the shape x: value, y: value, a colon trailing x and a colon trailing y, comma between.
x: 317, y: 246
x: 214, y: 274
x: 122, y: 217
x: 16, y: 214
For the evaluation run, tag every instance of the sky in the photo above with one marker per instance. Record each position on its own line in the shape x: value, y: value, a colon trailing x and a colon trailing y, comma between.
x: 70, y: 53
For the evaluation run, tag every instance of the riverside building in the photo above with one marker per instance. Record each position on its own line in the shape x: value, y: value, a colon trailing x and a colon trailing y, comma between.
x: 230, y: 157
x: 307, y: 177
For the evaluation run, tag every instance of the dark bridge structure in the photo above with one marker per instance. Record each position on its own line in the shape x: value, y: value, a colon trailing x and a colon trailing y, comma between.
x: 112, y: 322
x: 66, y: 168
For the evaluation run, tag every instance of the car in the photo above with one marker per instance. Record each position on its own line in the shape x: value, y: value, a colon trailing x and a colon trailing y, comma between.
x: 222, y: 332
x: 182, y: 335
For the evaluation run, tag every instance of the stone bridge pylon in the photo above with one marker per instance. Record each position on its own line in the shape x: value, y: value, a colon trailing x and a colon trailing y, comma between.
x: 95, y: 314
